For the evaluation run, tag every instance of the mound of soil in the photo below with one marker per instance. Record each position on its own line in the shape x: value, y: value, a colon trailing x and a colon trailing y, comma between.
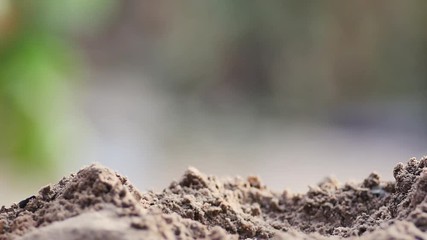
x: 97, y: 203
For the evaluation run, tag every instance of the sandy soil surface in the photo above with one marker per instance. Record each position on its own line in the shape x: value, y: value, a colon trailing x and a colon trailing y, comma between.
x: 97, y: 203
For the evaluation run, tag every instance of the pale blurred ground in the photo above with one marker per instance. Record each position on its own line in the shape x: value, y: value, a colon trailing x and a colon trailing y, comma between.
x: 152, y: 140
x: 289, y: 92
x: 157, y: 139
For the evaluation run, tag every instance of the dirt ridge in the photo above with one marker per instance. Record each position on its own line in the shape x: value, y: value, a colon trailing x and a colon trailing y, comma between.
x: 98, y: 203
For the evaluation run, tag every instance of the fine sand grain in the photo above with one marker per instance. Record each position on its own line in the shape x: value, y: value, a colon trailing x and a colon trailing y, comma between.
x: 97, y: 203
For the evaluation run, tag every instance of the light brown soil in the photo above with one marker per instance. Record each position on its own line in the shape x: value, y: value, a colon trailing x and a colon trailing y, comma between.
x: 97, y: 203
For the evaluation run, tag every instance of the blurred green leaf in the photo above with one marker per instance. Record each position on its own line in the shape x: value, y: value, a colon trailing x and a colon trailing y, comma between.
x: 33, y: 79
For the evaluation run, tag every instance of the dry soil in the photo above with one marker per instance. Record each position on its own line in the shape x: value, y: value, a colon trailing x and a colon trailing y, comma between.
x: 97, y: 203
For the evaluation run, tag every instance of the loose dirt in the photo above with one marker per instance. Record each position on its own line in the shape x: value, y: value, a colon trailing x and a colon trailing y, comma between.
x: 97, y: 203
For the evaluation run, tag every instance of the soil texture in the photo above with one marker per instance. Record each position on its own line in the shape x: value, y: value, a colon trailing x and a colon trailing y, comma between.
x: 97, y: 203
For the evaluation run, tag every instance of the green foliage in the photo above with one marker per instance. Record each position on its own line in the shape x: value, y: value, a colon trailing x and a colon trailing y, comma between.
x: 37, y: 62
x: 32, y: 85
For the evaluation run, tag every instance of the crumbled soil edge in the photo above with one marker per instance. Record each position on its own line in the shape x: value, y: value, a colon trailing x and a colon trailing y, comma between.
x: 98, y: 203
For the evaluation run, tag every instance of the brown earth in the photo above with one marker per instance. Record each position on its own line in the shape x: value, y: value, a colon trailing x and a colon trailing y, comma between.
x: 97, y: 203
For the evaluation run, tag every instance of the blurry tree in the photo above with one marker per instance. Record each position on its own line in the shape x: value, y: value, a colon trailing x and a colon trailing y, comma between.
x: 289, y: 56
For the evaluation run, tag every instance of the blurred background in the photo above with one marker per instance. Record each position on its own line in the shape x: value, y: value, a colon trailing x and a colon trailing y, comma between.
x: 291, y: 91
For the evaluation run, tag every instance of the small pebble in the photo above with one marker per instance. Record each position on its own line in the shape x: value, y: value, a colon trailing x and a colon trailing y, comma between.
x: 23, y: 203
